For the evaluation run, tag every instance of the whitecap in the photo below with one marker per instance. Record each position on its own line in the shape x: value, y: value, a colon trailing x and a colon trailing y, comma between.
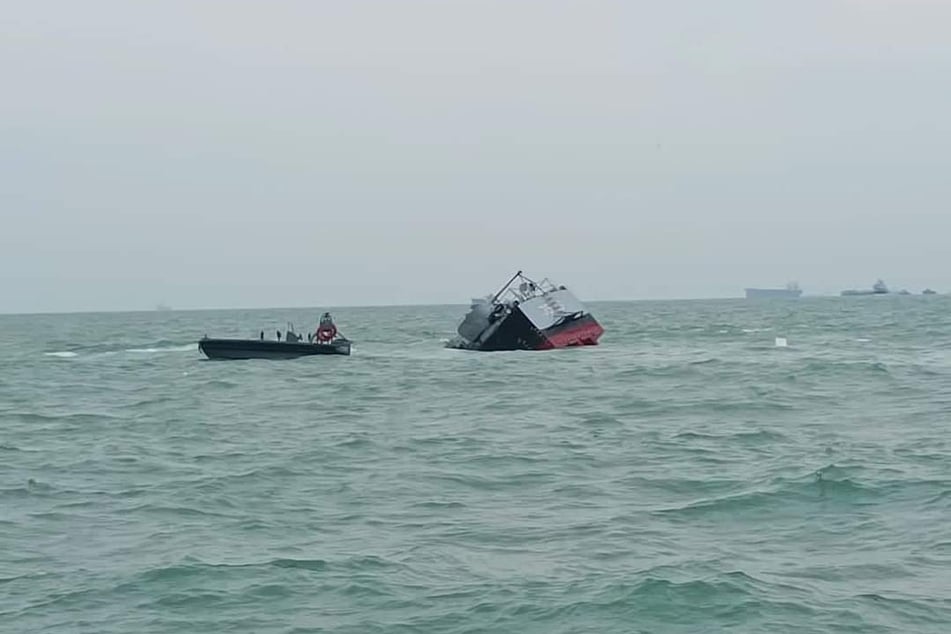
x: 62, y: 355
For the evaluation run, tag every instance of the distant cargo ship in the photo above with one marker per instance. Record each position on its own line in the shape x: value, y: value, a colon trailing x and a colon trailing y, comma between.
x: 791, y: 291
x: 878, y: 288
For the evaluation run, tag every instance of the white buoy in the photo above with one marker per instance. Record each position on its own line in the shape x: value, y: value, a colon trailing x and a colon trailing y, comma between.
x: 781, y: 342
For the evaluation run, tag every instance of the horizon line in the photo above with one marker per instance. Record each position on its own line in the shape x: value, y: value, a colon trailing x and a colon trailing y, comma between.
x: 171, y: 309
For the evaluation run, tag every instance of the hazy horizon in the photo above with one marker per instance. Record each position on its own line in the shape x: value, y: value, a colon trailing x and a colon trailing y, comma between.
x: 226, y: 154
x: 158, y: 308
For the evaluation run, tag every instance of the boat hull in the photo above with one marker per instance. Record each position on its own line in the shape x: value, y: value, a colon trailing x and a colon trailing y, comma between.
x: 234, y: 349
x: 516, y: 332
x: 584, y: 331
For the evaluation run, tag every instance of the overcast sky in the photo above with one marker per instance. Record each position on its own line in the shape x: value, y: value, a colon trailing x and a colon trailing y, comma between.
x: 279, y: 153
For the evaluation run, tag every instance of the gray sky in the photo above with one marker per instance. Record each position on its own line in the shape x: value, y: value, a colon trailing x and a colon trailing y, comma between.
x: 237, y: 153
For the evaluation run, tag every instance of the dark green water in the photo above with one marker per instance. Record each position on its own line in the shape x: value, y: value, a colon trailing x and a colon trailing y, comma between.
x: 685, y: 476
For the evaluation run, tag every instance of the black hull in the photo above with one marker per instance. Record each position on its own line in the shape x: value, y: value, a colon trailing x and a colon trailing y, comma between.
x: 256, y: 349
x: 516, y: 332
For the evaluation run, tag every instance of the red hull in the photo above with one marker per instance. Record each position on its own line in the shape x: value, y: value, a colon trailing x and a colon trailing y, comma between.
x: 584, y: 332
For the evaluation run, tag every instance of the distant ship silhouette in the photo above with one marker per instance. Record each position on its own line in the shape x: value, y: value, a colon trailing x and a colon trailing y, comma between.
x: 878, y: 288
x: 791, y: 291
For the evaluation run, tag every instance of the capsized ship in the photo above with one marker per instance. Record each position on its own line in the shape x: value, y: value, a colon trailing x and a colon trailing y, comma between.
x: 326, y: 340
x: 526, y: 315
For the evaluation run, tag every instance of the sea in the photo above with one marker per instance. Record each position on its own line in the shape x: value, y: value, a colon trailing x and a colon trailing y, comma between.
x: 712, y: 466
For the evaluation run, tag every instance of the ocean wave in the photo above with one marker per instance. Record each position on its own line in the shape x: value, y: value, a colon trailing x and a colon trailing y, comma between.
x: 438, y: 505
x: 828, y: 484
x: 760, y: 435
x: 823, y: 367
x: 176, y: 511
x: 221, y: 384
x: 685, y: 369
x: 192, y: 599
x: 214, y: 484
x: 71, y: 417
x: 24, y: 577
x: 178, y: 573
x: 147, y: 402
x: 195, y: 568
x: 729, y: 601
x: 18, y: 492
x: 707, y: 590
x: 782, y: 497
x: 299, y: 564
x: 738, y: 405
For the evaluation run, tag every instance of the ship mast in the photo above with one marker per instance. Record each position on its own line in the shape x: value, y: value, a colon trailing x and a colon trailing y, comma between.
x: 503, y: 289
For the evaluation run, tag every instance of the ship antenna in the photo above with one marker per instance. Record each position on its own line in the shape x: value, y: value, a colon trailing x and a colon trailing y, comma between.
x: 507, y: 284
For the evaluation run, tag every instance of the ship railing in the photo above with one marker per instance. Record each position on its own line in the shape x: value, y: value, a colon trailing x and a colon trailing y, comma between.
x: 522, y: 288
x: 526, y: 293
